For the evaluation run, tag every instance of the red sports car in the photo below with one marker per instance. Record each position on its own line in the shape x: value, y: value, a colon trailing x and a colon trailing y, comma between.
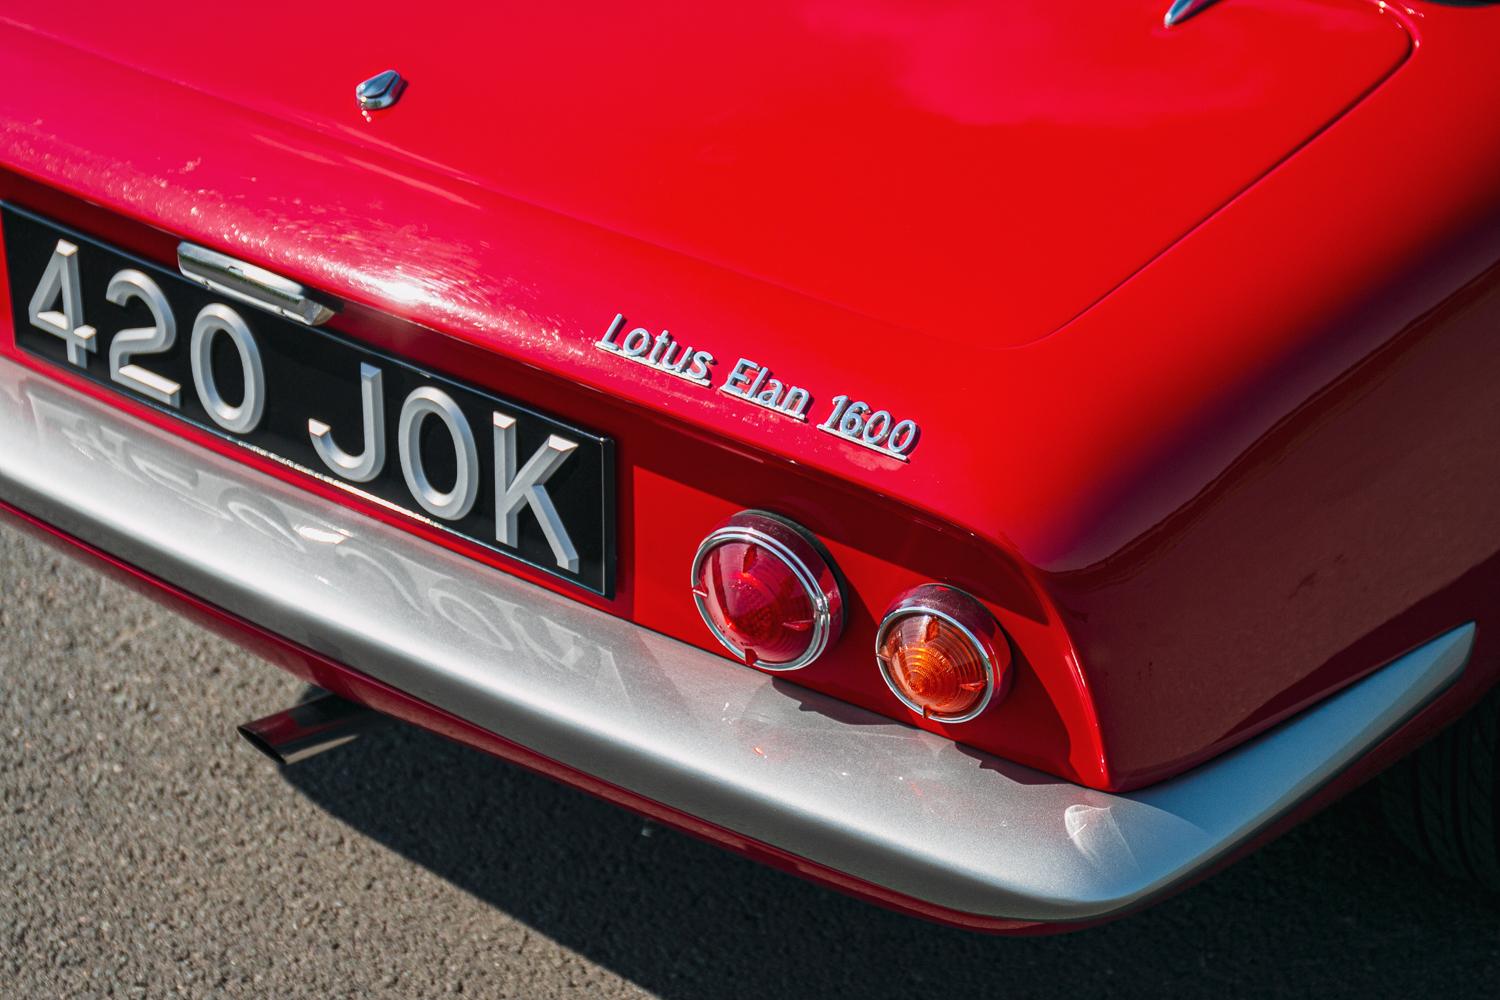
x: 1003, y: 460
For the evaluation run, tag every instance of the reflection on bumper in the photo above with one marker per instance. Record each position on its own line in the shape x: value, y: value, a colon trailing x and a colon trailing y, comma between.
x: 850, y: 790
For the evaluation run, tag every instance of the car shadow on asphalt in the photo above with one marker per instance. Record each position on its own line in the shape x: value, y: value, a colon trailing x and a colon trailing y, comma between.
x: 1334, y: 908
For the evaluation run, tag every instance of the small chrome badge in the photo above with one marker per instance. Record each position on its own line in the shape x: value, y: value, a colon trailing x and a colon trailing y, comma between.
x: 380, y: 91
x: 851, y: 420
x: 1181, y: 10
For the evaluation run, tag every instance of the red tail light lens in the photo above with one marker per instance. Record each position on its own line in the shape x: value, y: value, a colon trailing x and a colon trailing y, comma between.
x: 766, y: 592
x: 943, y: 654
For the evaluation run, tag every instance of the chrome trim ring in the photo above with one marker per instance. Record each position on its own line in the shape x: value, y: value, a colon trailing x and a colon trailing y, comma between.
x: 923, y: 600
x: 818, y: 581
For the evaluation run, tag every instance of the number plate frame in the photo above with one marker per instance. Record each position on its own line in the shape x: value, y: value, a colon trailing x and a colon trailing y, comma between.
x: 315, y: 374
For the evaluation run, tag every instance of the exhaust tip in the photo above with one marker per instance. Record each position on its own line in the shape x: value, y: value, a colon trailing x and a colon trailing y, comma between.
x: 247, y: 730
x: 309, y: 728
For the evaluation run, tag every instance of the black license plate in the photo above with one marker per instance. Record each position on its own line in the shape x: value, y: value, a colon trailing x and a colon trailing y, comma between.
x: 474, y: 464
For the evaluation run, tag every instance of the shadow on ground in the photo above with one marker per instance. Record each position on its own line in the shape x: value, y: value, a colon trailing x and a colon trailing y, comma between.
x: 1334, y: 908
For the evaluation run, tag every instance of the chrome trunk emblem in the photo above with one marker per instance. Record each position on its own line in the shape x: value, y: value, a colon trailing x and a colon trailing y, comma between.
x: 1181, y: 10
x: 380, y: 91
x: 852, y: 420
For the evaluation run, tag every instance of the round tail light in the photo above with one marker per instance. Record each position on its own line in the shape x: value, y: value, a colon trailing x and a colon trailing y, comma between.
x: 943, y: 653
x: 766, y: 592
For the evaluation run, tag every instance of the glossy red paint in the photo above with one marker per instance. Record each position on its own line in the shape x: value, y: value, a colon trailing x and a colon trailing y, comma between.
x: 866, y: 155
x: 1222, y: 490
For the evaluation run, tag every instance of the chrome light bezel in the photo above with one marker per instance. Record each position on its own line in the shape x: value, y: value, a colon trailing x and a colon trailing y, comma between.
x: 965, y: 613
x: 793, y: 545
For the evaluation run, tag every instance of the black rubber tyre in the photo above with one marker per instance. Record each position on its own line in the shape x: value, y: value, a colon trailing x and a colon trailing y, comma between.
x: 1443, y: 801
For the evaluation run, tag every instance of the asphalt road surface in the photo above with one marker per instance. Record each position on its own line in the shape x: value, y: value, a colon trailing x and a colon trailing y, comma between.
x: 145, y: 851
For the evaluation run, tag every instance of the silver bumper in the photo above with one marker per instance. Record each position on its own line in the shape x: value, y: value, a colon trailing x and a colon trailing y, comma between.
x: 839, y: 786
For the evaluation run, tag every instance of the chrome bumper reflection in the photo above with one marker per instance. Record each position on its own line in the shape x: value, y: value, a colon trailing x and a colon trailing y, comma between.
x: 859, y: 793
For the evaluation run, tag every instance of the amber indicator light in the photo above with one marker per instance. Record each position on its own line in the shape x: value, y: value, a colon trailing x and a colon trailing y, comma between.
x: 943, y: 654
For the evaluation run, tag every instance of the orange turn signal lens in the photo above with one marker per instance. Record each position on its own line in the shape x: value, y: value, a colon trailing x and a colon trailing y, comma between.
x: 943, y: 654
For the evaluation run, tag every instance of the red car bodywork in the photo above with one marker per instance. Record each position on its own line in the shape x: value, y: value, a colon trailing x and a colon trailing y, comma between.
x: 1196, y: 321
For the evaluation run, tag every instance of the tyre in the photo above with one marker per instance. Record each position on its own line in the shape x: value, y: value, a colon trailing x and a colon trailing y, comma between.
x: 1442, y: 801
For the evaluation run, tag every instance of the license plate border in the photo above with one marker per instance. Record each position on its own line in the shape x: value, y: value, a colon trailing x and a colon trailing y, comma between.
x: 605, y: 443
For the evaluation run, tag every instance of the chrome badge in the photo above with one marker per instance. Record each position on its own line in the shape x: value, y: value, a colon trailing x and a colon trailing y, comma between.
x: 380, y: 91
x: 849, y: 419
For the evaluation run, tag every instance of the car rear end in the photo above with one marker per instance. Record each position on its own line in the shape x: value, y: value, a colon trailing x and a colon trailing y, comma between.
x: 599, y: 331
